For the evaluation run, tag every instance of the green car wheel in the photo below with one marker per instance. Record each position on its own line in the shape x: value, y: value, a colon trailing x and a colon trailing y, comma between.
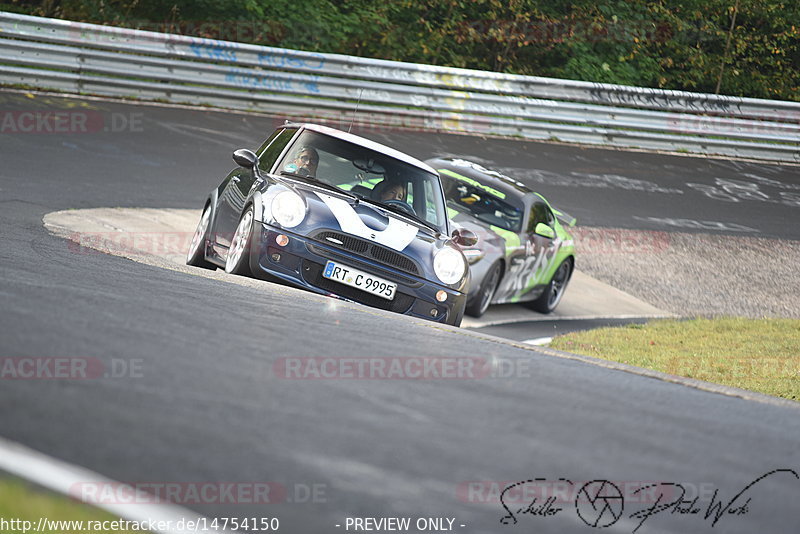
x: 551, y: 296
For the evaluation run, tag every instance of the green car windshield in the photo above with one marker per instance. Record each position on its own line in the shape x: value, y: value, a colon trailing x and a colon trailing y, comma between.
x: 369, y: 174
x: 488, y: 205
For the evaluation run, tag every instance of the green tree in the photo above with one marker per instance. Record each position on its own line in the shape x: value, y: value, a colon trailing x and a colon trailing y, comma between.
x: 677, y: 44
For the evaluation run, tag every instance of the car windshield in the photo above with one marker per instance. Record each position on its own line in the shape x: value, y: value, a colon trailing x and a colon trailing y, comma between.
x: 368, y: 174
x: 488, y: 205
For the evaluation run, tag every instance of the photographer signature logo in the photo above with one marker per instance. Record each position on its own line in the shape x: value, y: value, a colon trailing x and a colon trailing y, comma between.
x: 600, y: 503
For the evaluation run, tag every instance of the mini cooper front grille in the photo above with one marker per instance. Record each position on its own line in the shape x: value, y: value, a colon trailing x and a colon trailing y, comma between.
x: 334, y: 254
x: 368, y: 249
x: 312, y: 272
x: 344, y: 241
x: 384, y: 255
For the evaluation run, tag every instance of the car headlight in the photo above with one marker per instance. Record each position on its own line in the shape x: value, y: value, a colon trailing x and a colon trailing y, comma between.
x: 288, y: 209
x: 449, y: 265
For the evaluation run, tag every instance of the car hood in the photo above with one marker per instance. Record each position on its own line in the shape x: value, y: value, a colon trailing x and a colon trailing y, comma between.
x: 337, y: 212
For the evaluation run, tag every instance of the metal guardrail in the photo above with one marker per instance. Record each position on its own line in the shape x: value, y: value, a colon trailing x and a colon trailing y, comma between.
x: 104, y: 60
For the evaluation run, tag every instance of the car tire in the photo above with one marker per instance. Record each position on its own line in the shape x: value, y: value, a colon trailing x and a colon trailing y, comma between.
x: 481, y: 302
x: 197, y: 248
x: 551, y: 296
x: 238, y: 260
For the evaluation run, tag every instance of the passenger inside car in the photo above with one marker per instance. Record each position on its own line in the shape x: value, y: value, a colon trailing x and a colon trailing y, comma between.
x: 389, y: 189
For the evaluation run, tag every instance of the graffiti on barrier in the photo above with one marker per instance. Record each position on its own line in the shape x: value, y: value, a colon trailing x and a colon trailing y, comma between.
x: 213, y: 49
x: 274, y: 82
x: 603, y: 94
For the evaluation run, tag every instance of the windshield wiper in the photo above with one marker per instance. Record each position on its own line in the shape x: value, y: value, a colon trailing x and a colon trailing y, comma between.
x: 401, y: 211
x: 307, y: 177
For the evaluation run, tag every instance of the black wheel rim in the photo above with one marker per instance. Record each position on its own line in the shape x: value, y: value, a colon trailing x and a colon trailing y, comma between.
x: 488, y: 290
x: 559, y: 283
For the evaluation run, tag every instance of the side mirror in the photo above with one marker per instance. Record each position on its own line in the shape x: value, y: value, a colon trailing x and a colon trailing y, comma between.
x: 464, y: 237
x: 245, y: 158
x: 545, y: 231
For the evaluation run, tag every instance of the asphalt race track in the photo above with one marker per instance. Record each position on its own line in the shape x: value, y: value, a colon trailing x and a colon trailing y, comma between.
x: 162, y: 237
x: 200, y: 390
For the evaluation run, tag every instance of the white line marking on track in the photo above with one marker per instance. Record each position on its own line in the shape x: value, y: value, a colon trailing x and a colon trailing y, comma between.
x: 539, y: 341
x: 60, y: 477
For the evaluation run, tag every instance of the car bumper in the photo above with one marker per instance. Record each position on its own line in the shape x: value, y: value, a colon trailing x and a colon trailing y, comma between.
x: 301, y: 261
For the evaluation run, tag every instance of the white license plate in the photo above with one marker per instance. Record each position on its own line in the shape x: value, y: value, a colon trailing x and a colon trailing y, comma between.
x: 359, y: 279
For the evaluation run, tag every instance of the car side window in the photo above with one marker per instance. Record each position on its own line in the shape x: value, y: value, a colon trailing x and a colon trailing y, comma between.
x: 540, y: 213
x: 432, y: 197
x: 272, y: 148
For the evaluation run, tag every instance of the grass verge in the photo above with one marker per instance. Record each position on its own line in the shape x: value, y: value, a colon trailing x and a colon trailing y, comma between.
x: 20, y: 502
x: 760, y: 355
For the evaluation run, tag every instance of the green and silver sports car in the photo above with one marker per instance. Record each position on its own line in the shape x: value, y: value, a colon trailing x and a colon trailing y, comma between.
x: 524, y: 253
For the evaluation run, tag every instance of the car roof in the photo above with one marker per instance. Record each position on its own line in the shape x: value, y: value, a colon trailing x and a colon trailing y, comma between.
x: 361, y: 141
x: 490, y: 177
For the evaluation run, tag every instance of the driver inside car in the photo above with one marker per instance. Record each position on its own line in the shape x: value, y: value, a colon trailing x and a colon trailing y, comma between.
x: 305, y: 162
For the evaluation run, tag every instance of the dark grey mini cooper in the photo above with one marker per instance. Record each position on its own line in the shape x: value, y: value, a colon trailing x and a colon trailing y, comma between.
x: 339, y: 215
